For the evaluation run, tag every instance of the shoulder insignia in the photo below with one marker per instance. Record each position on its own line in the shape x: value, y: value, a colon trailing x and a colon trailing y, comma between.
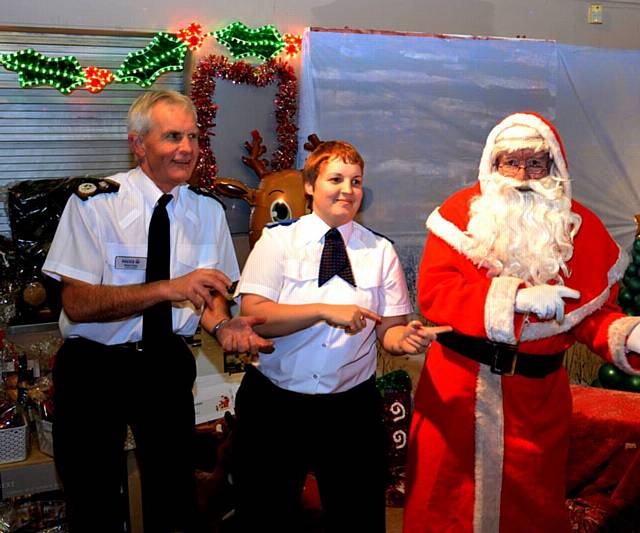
x: 282, y: 223
x: 89, y: 187
x: 208, y: 193
x: 378, y: 234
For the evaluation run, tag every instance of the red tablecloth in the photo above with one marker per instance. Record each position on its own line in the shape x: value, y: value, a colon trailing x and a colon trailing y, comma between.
x: 603, y: 479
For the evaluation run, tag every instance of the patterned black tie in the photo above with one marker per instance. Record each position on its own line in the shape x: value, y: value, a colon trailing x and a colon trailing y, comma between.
x: 157, y: 320
x: 335, y: 260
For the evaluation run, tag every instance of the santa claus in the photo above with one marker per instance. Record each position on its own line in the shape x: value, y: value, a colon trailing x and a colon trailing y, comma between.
x: 521, y: 271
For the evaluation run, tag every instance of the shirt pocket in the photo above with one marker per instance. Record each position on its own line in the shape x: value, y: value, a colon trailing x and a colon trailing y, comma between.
x: 369, y: 285
x: 193, y: 256
x: 126, y: 264
x: 302, y: 271
x: 299, y: 282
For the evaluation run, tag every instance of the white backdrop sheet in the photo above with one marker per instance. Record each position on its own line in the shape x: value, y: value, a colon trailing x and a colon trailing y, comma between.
x: 419, y: 109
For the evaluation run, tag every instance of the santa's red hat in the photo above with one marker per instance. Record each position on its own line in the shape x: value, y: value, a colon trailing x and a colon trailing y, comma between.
x: 522, y: 130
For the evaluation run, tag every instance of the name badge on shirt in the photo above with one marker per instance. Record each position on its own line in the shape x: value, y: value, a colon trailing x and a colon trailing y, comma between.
x: 131, y: 263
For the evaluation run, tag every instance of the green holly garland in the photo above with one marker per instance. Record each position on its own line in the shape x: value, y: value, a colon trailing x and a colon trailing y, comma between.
x: 166, y: 52
x: 264, y: 42
x: 63, y: 73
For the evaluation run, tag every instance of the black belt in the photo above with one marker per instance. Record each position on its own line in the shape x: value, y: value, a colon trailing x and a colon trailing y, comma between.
x: 138, y: 346
x: 504, y: 359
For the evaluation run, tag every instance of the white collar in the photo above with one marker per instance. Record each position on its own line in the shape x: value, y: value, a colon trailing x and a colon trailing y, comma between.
x: 316, y: 228
x: 150, y: 191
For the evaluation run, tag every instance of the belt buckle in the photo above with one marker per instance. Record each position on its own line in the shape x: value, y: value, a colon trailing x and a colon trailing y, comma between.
x: 138, y: 346
x: 503, y: 359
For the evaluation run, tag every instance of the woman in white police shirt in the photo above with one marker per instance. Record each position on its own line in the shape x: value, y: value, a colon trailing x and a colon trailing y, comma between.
x: 313, y: 404
x: 104, y: 378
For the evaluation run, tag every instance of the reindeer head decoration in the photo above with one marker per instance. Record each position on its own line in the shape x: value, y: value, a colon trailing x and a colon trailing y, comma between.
x: 280, y: 195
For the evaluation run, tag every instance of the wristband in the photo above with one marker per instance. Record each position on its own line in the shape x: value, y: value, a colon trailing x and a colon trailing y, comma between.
x: 217, y: 327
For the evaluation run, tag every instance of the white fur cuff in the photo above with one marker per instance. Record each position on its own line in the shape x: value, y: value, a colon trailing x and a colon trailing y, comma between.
x: 499, y: 309
x: 618, y: 333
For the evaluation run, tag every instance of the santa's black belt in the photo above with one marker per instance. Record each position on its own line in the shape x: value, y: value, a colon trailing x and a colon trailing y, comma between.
x: 504, y: 359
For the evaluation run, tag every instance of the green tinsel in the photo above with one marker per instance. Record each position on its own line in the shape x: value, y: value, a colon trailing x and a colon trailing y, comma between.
x: 395, y: 381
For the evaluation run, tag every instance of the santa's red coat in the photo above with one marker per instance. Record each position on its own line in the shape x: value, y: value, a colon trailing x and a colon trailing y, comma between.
x: 488, y: 453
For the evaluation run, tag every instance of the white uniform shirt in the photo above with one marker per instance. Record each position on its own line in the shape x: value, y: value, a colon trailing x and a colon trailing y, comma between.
x: 103, y: 241
x: 283, y: 267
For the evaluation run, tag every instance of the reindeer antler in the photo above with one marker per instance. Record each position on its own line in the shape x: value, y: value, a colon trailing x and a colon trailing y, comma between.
x: 255, y: 150
x: 314, y: 142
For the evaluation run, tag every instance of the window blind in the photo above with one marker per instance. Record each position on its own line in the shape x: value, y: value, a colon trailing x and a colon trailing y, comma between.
x: 46, y: 134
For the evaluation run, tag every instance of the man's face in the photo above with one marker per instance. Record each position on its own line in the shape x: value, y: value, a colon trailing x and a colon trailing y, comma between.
x: 169, y: 151
x: 524, y: 164
x: 337, y: 192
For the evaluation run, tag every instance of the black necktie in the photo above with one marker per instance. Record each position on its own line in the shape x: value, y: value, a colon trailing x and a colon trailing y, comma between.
x: 335, y: 260
x: 156, y: 320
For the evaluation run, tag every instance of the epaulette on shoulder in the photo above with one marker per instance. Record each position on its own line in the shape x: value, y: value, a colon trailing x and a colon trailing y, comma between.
x: 379, y: 234
x: 93, y: 186
x: 206, y: 192
x: 282, y: 223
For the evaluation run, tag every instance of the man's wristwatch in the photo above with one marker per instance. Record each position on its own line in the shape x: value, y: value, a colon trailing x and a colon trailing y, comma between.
x: 217, y: 327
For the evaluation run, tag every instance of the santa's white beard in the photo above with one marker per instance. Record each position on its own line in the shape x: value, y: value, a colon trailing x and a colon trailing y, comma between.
x: 526, y: 234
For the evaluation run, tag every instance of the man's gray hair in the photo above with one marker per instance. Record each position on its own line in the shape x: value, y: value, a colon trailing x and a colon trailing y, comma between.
x: 139, y: 117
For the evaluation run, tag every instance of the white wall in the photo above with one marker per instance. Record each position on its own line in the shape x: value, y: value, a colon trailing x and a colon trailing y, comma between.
x: 562, y: 20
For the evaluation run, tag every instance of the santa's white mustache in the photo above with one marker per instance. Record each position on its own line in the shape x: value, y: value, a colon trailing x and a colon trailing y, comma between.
x: 549, y: 187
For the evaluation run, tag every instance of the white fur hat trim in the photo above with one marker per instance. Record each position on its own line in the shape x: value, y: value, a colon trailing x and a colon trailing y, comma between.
x: 527, y: 126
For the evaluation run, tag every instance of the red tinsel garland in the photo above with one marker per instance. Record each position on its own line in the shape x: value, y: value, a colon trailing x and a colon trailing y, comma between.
x: 203, y: 88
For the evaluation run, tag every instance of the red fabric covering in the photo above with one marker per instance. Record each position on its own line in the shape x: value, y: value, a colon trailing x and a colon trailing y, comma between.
x: 603, y: 477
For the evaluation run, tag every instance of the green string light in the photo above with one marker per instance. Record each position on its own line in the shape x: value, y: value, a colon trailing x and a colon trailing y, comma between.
x: 264, y: 42
x: 164, y: 53
x: 63, y: 73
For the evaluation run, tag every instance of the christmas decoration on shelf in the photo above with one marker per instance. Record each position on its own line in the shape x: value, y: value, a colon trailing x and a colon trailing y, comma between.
x: 629, y: 295
x: 395, y: 389
x: 264, y: 42
x: 165, y: 53
x: 202, y: 93
x: 292, y: 44
x: 398, y: 380
x: 63, y: 73
x: 611, y: 377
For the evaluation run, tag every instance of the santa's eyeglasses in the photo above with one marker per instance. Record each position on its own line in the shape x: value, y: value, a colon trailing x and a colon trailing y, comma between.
x: 535, y: 167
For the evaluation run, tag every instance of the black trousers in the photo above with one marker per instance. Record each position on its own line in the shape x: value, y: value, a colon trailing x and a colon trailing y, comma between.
x: 98, y: 390
x: 280, y: 436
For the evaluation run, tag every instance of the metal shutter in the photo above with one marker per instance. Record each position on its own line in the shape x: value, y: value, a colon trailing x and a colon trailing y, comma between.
x: 45, y: 134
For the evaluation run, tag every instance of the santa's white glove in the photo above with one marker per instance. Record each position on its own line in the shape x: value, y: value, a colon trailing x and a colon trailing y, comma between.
x: 633, y: 340
x: 544, y: 300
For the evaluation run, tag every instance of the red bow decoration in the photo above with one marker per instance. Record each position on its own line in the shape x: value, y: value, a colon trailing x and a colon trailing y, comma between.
x: 192, y: 36
x: 292, y: 44
x: 97, y: 78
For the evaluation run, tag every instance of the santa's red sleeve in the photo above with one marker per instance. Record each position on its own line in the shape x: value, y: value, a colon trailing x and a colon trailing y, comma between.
x: 605, y: 332
x: 597, y: 266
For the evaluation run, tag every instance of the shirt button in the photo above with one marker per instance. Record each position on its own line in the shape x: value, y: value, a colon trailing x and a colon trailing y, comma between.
x: 324, y: 344
x: 315, y: 376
